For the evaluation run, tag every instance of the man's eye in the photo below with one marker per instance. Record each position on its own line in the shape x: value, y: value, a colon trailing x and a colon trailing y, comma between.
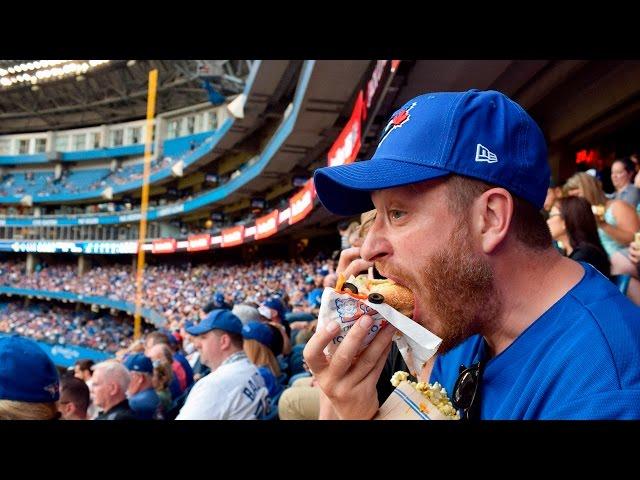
x: 396, y: 214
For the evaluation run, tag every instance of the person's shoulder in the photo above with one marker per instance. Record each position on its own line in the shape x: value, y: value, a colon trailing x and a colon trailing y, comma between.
x: 148, y: 395
x: 620, y: 207
x: 599, y: 313
x: 595, y: 294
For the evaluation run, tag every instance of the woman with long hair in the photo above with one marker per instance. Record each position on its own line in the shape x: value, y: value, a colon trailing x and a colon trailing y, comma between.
x: 572, y: 222
x: 616, y: 225
x: 257, y: 338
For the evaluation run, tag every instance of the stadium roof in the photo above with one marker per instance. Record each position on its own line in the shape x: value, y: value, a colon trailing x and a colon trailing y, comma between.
x: 109, y: 92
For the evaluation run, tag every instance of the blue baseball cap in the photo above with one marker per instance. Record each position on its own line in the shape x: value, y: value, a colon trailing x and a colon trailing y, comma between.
x: 27, y: 374
x: 218, y: 319
x: 478, y: 134
x: 274, y: 303
x: 139, y: 362
x: 258, y: 331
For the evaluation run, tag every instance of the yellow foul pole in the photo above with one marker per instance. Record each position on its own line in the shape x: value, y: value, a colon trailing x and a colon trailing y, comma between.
x: 151, y: 108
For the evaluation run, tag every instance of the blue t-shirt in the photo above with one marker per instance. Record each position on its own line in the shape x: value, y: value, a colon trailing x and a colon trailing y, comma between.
x: 579, y: 360
x: 270, y: 380
x: 314, y: 297
x: 145, y: 404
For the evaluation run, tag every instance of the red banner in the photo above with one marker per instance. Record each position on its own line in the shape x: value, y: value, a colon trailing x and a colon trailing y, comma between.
x: 267, y: 225
x: 232, y: 236
x: 346, y: 147
x: 301, y: 203
x: 165, y: 245
x: 199, y: 242
x: 374, y: 81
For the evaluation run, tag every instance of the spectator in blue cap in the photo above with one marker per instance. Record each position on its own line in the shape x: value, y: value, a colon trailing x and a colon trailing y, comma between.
x: 273, y: 311
x: 29, y: 382
x: 219, y: 301
x: 458, y: 181
x: 234, y: 390
x: 143, y: 399
x: 257, y: 340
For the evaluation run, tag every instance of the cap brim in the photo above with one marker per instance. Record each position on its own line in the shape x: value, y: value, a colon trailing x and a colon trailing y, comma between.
x: 197, y: 330
x: 346, y: 189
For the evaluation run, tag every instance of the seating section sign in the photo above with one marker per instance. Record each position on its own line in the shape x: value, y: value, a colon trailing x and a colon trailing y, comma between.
x: 266, y: 225
x: 232, y: 236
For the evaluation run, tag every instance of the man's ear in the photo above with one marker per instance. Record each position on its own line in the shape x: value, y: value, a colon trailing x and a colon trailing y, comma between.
x: 69, y: 409
x: 493, y: 211
x: 225, y: 341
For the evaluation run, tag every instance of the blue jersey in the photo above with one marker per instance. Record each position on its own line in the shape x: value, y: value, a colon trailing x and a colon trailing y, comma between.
x: 579, y: 360
x: 145, y: 404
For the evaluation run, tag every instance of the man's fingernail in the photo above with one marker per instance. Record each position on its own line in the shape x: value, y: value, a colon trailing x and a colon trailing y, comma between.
x: 366, y: 321
x: 332, y: 327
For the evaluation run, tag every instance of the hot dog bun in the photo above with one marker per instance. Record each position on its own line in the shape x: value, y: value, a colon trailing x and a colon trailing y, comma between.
x: 395, y: 295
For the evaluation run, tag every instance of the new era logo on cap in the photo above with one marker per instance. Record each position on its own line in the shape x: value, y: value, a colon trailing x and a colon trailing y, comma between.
x: 484, y: 155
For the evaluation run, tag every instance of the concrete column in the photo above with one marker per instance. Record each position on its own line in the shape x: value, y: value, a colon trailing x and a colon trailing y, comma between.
x: 31, y: 263
x: 161, y: 134
x: 83, y: 264
x: 51, y: 141
x: 104, y: 136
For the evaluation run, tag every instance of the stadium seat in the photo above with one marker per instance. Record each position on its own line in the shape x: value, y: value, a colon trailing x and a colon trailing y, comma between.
x: 273, y: 411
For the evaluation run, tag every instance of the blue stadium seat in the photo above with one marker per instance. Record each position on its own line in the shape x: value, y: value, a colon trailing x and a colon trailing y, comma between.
x: 273, y: 411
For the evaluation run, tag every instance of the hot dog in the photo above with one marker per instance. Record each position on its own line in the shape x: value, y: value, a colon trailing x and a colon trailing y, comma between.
x: 395, y: 295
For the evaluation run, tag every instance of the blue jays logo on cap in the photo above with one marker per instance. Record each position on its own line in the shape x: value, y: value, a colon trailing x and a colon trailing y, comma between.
x: 398, y: 119
x: 53, y: 389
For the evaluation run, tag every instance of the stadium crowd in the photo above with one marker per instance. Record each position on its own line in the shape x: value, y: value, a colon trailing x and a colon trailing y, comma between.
x: 62, y: 325
x: 178, y: 292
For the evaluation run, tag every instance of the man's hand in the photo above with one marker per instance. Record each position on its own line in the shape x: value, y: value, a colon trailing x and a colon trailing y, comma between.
x: 349, y: 382
x: 350, y: 262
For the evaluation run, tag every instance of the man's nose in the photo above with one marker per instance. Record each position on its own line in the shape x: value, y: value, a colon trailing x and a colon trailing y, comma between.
x: 375, y: 245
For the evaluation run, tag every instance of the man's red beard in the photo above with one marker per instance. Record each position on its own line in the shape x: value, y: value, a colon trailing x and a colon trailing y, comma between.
x: 456, y: 292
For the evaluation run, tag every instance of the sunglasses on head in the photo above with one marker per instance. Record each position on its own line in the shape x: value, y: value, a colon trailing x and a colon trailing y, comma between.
x: 466, y: 391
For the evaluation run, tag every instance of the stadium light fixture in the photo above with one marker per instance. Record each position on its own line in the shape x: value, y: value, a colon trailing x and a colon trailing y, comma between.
x: 46, y: 69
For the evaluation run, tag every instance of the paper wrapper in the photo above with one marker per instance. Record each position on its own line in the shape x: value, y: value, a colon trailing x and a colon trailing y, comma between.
x: 416, y: 343
x: 406, y: 403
